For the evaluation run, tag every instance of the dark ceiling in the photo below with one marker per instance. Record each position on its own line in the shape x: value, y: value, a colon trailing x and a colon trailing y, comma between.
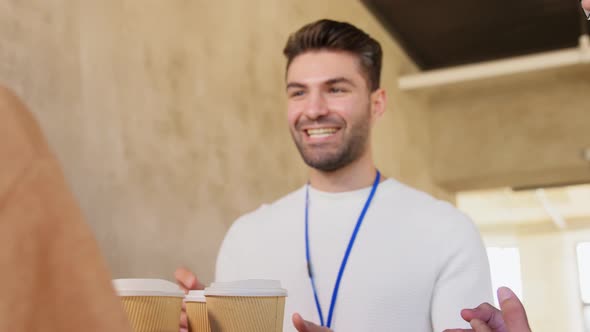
x: 438, y: 34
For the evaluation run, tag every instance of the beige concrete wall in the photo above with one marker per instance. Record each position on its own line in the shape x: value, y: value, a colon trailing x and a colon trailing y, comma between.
x: 169, y: 116
x: 523, y: 130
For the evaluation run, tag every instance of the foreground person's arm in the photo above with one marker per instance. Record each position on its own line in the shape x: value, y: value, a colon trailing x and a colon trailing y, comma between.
x: 53, y: 274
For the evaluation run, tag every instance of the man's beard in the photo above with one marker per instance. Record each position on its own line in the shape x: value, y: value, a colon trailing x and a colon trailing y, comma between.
x: 351, y: 149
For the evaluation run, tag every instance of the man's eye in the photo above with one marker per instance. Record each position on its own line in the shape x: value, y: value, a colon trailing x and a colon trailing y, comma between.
x: 296, y: 93
x: 336, y: 90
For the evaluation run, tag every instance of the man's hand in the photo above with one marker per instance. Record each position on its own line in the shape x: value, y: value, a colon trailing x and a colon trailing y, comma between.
x: 486, y: 318
x: 304, y: 326
x: 187, y: 281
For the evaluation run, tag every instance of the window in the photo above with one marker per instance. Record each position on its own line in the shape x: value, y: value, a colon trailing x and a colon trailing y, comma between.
x: 584, y: 270
x: 505, y: 269
x: 583, y: 251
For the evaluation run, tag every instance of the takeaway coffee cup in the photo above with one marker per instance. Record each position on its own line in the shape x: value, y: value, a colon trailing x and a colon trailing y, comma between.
x: 196, y: 311
x: 152, y: 305
x: 246, y: 306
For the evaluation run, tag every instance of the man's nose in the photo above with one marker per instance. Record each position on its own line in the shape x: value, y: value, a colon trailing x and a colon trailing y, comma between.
x: 316, y: 107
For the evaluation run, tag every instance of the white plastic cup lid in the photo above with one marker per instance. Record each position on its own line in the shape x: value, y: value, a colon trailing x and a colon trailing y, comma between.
x: 195, y: 296
x: 252, y: 287
x: 147, y: 287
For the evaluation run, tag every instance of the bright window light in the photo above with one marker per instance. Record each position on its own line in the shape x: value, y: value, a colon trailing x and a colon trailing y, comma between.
x: 505, y: 269
x: 583, y: 250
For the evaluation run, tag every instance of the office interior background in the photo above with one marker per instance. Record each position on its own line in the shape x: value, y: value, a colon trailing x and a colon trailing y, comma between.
x: 169, y: 118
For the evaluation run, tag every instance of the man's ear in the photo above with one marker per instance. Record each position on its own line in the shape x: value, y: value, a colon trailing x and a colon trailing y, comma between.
x: 378, y: 103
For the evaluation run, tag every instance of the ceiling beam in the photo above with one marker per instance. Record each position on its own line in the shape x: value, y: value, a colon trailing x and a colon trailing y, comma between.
x: 516, y: 65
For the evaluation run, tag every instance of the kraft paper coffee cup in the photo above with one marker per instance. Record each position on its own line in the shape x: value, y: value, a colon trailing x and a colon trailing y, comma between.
x: 246, y: 306
x: 196, y: 311
x: 152, y: 305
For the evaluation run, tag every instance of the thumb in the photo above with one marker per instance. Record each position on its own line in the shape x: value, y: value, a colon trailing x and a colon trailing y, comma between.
x: 306, y: 326
x: 187, y: 280
x: 512, y: 311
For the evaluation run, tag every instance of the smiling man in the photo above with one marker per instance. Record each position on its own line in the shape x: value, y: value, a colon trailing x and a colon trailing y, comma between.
x: 356, y: 250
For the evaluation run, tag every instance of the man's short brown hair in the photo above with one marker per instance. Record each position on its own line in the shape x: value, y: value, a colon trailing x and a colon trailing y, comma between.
x: 338, y: 36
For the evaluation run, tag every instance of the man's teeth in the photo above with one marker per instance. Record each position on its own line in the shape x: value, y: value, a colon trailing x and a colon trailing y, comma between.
x: 321, y: 132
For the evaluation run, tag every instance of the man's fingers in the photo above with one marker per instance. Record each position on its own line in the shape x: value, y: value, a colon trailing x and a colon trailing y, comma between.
x: 468, y: 314
x: 299, y: 323
x: 479, y: 326
x: 183, y: 320
x: 487, y: 318
x: 304, y: 326
x: 512, y: 311
x: 187, y: 280
x: 486, y: 313
x: 458, y: 330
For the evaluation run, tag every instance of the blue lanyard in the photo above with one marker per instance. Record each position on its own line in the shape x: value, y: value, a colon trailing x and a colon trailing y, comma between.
x: 346, y: 254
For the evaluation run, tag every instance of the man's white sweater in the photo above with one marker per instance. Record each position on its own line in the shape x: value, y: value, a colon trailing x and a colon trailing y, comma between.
x: 415, y: 264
